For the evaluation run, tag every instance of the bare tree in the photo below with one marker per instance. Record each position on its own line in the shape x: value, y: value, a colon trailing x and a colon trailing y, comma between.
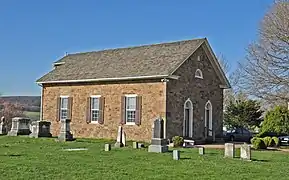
x: 224, y: 63
x: 10, y: 110
x: 228, y: 94
x: 265, y: 73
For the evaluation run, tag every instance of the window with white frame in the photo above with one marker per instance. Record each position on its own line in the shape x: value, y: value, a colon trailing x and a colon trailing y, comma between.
x: 209, y: 118
x: 63, y: 107
x: 199, y: 74
x: 130, y: 109
x: 94, y: 104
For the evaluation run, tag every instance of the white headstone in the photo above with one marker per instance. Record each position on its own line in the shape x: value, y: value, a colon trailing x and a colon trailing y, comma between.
x: 245, y: 152
x: 123, y: 138
x: 229, y: 150
x: 119, y: 138
x: 119, y: 133
x: 2, y: 125
x: 176, y: 154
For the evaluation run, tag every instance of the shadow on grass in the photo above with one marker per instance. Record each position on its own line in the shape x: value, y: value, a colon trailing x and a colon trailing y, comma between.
x: 171, y: 151
x: 12, y: 155
x: 264, y: 150
x: 259, y: 160
x: 184, y: 158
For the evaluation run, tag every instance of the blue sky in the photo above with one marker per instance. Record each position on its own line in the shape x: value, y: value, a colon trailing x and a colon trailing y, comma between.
x: 34, y: 34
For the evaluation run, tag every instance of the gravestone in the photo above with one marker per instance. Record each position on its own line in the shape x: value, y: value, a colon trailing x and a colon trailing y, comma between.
x: 188, y: 143
x: 176, y: 155
x: 107, y: 147
x: 135, y: 145
x: 123, y: 138
x: 40, y: 129
x: 230, y: 150
x: 141, y: 145
x: 245, y: 152
x: 201, y: 150
x: 20, y: 126
x: 76, y: 149
x: 119, y: 138
x: 2, y: 126
x: 158, y: 143
x: 65, y: 134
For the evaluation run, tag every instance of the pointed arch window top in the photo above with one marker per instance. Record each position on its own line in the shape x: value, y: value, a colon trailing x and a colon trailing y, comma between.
x: 208, y: 105
x: 188, y: 104
x: 199, y: 74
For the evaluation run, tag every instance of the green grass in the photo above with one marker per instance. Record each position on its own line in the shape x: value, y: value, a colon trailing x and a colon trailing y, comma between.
x: 26, y: 158
x: 32, y: 115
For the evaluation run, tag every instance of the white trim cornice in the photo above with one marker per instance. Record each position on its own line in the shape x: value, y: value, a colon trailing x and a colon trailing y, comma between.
x: 111, y: 79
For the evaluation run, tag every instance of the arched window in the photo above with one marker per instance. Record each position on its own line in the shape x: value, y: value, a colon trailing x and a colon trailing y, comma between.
x: 188, y: 119
x: 208, y: 118
x: 199, y: 74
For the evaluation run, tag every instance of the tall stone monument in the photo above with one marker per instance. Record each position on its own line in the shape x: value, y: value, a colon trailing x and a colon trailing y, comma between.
x: 123, y: 138
x: 20, y: 126
x: 40, y: 129
x: 120, y: 138
x: 65, y: 134
x: 2, y: 126
x: 158, y: 143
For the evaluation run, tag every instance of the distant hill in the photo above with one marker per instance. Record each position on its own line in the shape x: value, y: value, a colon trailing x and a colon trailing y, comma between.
x: 30, y: 103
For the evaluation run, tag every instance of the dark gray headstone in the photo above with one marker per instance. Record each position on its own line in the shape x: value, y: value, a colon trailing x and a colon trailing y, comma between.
x: 158, y: 129
x: 40, y: 129
x: 158, y: 143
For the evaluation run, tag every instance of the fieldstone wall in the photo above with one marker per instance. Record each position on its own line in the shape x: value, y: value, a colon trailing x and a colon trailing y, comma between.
x: 199, y: 91
x: 153, y: 105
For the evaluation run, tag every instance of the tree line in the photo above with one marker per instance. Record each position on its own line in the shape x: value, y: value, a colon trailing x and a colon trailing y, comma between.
x: 260, y: 94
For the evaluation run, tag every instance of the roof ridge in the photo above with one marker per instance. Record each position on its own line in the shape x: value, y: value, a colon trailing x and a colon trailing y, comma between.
x: 137, y: 46
x: 141, y: 60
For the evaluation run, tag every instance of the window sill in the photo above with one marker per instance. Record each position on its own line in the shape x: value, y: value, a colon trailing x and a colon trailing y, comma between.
x: 94, y: 122
x: 130, y: 123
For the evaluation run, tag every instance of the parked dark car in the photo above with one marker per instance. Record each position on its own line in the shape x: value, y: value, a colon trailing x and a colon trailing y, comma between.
x: 283, y: 138
x: 238, y: 134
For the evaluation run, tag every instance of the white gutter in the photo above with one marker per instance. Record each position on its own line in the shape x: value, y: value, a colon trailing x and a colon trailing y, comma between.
x: 58, y: 63
x: 111, y: 79
x: 41, y: 106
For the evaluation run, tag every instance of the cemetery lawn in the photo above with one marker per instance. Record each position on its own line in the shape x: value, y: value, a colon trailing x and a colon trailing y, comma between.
x: 26, y: 158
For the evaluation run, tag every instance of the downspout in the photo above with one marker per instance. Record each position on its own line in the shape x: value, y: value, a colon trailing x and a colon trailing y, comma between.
x: 165, y: 106
x: 41, y: 108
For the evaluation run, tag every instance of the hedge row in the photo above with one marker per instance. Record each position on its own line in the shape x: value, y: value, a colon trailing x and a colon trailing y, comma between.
x: 263, y: 143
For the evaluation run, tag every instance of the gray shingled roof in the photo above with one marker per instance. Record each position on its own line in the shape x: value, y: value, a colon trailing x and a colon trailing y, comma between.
x: 147, y: 60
